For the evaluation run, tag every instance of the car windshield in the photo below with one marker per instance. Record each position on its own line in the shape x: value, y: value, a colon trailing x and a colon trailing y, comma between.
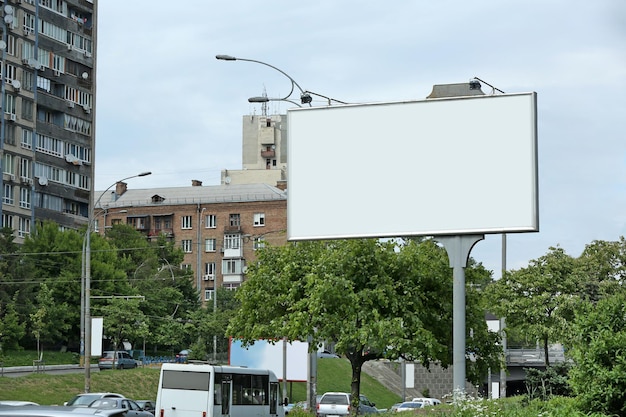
x: 83, y: 399
x: 334, y: 399
x: 104, y: 403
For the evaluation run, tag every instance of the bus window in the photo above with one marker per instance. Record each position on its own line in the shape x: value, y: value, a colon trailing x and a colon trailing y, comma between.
x: 225, y: 398
x: 259, y: 387
x: 273, y: 397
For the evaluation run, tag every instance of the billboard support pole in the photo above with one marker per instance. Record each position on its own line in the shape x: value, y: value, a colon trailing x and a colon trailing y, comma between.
x: 458, y: 248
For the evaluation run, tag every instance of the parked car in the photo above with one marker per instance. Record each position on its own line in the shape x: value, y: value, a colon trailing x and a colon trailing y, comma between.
x: 326, y: 354
x: 394, y: 407
x: 131, y: 407
x: 56, y: 411
x: 427, y: 401
x: 123, y: 361
x: 83, y: 400
x: 15, y: 403
x: 338, y: 404
x: 409, y: 406
x: 146, y: 405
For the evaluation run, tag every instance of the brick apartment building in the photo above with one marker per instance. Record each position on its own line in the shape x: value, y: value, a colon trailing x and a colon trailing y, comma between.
x: 218, y: 227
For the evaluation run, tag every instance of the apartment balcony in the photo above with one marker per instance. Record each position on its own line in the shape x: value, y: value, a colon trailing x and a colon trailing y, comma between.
x: 268, y: 154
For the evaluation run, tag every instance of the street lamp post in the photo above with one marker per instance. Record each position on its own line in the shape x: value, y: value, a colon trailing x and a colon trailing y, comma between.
x: 87, y: 281
x: 305, y: 97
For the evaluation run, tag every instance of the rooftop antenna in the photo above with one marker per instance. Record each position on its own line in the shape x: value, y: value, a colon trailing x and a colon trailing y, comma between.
x: 264, y: 105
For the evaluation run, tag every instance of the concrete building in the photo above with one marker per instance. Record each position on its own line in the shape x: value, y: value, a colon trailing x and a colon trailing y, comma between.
x: 47, y: 127
x: 218, y: 227
x: 264, y: 152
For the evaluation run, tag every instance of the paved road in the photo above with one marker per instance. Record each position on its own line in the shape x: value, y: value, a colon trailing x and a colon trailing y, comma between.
x: 17, y: 371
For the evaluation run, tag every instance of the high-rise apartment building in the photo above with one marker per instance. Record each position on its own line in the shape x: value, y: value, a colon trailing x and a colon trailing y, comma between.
x: 47, y: 126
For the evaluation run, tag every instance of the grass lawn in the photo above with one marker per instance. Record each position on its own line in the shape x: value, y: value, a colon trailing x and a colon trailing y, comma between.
x: 142, y: 383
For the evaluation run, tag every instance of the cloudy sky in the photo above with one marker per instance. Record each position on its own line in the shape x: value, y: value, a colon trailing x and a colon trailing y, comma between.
x: 166, y: 105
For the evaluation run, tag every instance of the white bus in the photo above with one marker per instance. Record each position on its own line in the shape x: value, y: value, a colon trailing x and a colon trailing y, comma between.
x: 200, y: 390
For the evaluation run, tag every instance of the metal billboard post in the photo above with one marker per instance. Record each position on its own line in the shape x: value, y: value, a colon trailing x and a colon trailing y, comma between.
x: 458, y: 248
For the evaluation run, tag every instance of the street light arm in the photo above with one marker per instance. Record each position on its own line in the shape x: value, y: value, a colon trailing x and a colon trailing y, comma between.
x: 261, y: 99
x: 305, y: 98
x: 330, y: 99
x: 143, y: 174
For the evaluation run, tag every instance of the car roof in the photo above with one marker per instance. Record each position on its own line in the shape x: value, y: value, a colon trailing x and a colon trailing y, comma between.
x: 56, y: 411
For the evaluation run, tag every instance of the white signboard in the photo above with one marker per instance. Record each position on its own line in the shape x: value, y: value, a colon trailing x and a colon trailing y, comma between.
x: 264, y: 355
x: 465, y: 165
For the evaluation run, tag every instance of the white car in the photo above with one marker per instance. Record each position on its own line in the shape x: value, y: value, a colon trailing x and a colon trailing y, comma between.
x: 408, y: 406
x: 83, y: 400
x: 427, y: 401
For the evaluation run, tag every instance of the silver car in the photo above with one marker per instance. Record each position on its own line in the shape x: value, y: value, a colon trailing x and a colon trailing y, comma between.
x: 129, y: 407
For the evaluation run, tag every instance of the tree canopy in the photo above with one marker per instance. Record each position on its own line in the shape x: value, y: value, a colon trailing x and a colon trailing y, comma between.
x: 371, y: 299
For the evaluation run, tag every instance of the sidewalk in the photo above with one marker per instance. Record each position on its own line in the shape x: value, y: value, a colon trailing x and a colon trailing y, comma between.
x: 42, y: 368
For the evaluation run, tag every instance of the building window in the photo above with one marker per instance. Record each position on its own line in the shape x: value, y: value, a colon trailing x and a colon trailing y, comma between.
x: 210, y: 221
x: 23, y: 227
x: 25, y: 198
x: 11, y: 45
x: 235, y: 220
x: 7, y: 197
x: 27, y: 80
x: 232, y: 241
x: 27, y: 139
x: 8, y: 166
x: 231, y: 266
x: 24, y: 168
x: 9, y: 134
x: 187, y: 246
x: 259, y: 243
x: 185, y: 267
x: 186, y: 222
x: 232, y: 286
x: 27, y: 109
x: 9, y: 104
x: 259, y: 219
x: 210, y: 268
x: 209, y: 245
x: 7, y: 220
x: 208, y: 295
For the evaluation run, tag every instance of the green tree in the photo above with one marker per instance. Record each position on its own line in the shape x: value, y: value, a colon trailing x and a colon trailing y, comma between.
x: 538, y: 300
x: 597, y: 347
x: 11, y: 328
x: 601, y: 269
x: 210, y: 326
x: 123, y: 320
x: 47, y: 322
x: 372, y: 299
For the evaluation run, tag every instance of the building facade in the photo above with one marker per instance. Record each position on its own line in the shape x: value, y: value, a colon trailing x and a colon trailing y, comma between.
x: 264, y: 151
x: 47, y: 127
x: 219, y: 228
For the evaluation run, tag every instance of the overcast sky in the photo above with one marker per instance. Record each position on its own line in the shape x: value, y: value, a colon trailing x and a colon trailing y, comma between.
x: 166, y: 105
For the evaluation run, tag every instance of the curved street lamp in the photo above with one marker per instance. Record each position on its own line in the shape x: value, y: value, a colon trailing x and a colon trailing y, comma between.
x: 87, y: 281
x: 305, y: 97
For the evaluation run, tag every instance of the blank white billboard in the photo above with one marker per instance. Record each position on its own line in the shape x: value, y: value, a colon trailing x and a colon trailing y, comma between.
x: 451, y: 166
x: 265, y: 355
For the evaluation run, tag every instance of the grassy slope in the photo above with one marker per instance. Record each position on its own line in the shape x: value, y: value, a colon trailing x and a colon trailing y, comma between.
x: 141, y: 383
